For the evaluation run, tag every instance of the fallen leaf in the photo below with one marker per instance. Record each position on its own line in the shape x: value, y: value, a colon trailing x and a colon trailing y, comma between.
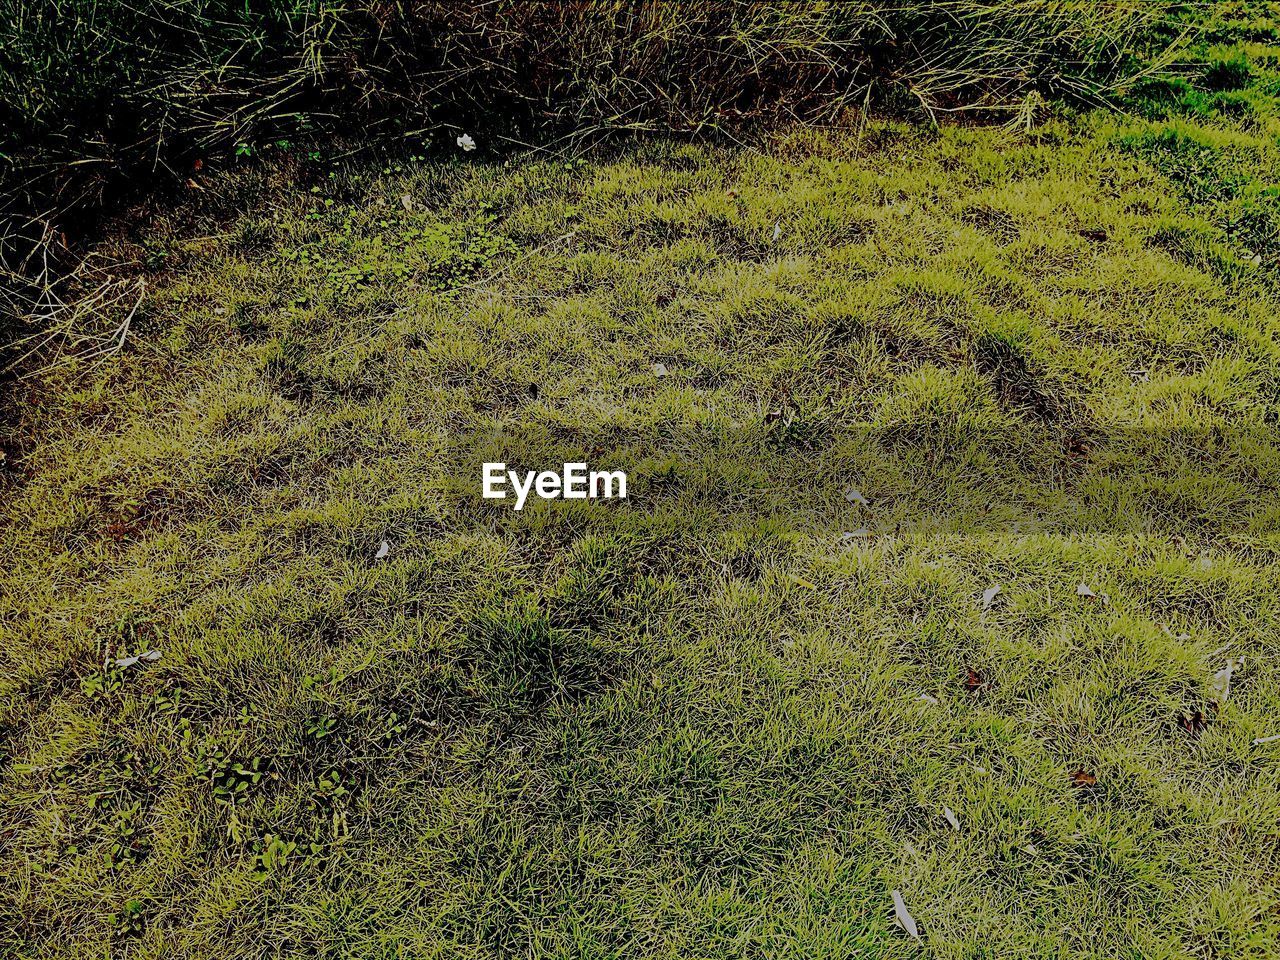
x: 903, y: 916
x: 1031, y: 850
x: 854, y: 495
x: 150, y: 656
x: 466, y: 142
x: 1077, y: 446
x: 777, y: 232
x: 1222, y: 680
x: 951, y: 818
x: 973, y: 680
x: 1259, y: 741
x: 1082, y: 778
x: 1194, y: 722
x: 660, y: 369
x: 852, y: 535
x: 383, y: 551
x: 989, y: 596
x: 1084, y: 590
x: 928, y: 698
x: 406, y: 201
x: 803, y: 582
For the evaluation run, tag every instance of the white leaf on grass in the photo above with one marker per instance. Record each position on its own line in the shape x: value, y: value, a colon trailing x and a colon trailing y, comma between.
x: 851, y: 535
x: 466, y: 143
x: 777, y: 232
x: 1222, y: 683
x: 150, y: 656
x: 854, y: 495
x: 406, y: 201
x: 989, y: 596
x: 1084, y: 590
x: 383, y: 551
x: 951, y: 818
x: 660, y: 369
x: 1259, y: 741
x: 903, y: 916
x: 1222, y: 680
x: 928, y: 698
x: 1031, y: 850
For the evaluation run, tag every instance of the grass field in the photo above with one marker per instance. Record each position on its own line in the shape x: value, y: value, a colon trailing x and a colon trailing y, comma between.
x: 728, y: 716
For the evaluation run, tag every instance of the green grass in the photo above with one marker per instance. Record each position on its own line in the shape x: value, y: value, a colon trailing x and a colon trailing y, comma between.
x: 104, y: 103
x: 700, y: 722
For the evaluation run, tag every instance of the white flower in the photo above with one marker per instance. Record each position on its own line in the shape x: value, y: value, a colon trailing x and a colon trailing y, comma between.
x: 466, y: 143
